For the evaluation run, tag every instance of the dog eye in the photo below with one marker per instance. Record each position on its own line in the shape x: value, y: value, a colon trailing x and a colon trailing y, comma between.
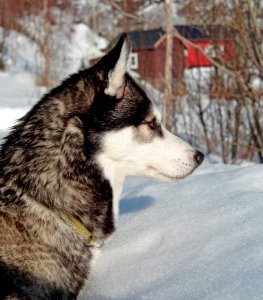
x: 152, y: 124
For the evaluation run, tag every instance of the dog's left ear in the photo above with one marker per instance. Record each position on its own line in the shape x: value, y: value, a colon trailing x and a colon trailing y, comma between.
x: 113, y: 66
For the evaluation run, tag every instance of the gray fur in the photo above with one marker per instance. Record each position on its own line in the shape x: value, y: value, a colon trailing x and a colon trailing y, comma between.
x: 47, y: 161
x: 52, y: 160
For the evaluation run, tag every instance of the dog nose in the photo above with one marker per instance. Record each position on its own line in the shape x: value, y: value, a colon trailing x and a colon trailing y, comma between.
x: 199, y: 157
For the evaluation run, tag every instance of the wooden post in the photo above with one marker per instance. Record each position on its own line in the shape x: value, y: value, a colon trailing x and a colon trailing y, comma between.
x: 168, y: 75
x: 46, y: 53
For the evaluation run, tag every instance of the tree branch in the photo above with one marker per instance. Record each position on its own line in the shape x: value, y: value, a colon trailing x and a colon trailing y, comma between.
x: 118, y: 8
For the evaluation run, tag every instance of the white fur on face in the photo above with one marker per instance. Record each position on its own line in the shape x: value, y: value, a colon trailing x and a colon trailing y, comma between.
x: 167, y: 158
x: 117, y: 75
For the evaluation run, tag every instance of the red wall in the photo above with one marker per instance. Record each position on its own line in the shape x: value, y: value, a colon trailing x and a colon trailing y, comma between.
x: 147, y: 63
x: 151, y: 61
x: 194, y: 58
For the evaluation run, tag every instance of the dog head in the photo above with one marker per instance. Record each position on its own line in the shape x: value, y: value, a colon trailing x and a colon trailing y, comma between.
x: 133, y: 138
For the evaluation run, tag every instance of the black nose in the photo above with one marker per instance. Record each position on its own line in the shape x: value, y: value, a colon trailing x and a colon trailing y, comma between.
x: 199, y: 157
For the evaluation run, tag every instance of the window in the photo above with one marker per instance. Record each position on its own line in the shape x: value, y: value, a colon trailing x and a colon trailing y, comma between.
x: 214, y: 50
x: 133, y: 61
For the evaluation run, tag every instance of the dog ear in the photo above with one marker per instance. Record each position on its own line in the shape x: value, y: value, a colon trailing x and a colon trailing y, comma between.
x: 113, y: 66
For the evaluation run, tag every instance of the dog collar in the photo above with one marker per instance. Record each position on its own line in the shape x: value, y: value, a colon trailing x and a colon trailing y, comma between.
x: 78, y: 227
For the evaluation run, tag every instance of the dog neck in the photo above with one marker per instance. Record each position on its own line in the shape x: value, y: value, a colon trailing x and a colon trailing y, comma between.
x: 115, y: 174
x: 79, y: 228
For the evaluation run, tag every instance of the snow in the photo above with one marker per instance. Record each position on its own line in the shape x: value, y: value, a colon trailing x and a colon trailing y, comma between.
x: 198, y: 79
x: 199, y: 238
x: 70, y: 49
x: 86, y: 44
x: 17, y: 94
x: 153, y: 12
x: 21, y: 53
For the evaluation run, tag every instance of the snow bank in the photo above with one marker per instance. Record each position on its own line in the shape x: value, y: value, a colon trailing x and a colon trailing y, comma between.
x: 198, y: 239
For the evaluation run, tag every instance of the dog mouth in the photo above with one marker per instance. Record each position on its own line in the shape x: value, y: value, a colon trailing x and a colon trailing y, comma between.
x: 157, y: 173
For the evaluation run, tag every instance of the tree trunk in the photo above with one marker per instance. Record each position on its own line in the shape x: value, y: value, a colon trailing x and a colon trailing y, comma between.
x: 46, y: 79
x: 167, y: 104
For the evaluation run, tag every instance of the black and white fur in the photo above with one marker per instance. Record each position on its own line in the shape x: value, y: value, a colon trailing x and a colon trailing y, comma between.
x: 72, y: 151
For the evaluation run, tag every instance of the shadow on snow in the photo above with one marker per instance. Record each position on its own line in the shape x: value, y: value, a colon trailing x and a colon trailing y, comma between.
x: 134, y: 204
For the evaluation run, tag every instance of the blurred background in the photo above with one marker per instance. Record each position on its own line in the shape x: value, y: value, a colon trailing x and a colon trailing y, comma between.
x: 200, y: 61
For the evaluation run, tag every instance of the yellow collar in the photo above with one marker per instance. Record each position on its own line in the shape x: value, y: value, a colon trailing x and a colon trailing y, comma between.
x: 77, y: 226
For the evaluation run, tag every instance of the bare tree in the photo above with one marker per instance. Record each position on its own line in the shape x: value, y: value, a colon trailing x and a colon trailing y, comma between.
x: 167, y: 103
x: 46, y: 52
x: 230, y: 115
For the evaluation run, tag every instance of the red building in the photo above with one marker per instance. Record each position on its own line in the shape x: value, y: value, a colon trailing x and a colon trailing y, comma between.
x: 148, y: 51
x: 148, y: 55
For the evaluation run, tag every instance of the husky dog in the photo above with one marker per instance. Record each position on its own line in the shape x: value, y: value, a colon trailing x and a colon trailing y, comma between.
x: 61, y: 174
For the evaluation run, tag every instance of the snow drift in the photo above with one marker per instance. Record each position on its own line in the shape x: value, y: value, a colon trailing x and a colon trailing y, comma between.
x: 198, y: 239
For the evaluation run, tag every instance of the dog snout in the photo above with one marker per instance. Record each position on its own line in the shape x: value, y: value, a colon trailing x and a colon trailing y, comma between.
x: 199, y: 157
